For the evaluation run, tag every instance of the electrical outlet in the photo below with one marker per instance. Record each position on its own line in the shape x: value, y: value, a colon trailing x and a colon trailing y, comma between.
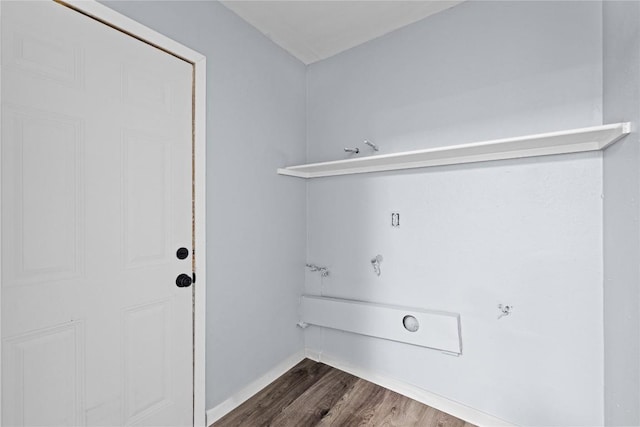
x: 395, y: 219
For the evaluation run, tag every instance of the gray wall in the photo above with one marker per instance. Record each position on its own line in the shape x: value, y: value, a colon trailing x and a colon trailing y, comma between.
x: 621, y: 216
x: 522, y: 232
x: 255, y: 218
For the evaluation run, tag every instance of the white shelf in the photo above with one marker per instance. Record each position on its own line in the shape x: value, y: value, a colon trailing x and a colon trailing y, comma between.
x: 571, y: 141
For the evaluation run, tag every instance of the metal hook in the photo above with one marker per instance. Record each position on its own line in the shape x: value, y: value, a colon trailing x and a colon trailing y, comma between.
x: 352, y: 150
x: 375, y: 262
x: 372, y: 145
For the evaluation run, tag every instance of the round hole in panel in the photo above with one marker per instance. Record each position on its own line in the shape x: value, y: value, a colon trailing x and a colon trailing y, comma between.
x: 410, y: 323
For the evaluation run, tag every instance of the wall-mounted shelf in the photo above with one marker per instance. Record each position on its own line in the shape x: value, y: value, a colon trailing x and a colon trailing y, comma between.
x: 571, y: 141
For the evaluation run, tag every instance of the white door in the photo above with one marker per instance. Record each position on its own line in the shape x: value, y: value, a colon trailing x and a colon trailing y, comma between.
x: 96, y: 200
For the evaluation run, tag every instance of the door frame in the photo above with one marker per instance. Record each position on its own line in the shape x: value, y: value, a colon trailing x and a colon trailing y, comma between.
x: 134, y: 29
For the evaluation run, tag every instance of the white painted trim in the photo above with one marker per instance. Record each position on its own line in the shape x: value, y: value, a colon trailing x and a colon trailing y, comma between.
x: 103, y: 13
x: 200, y: 250
x: 0, y: 222
x: 563, y: 142
x: 219, y: 411
x: 123, y: 23
x: 436, y: 401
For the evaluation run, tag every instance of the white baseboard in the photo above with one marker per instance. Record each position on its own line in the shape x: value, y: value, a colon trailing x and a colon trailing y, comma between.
x: 219, y: 411
x: 436, y: 401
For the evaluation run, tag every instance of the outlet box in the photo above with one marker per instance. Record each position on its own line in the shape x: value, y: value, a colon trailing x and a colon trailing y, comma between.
x: 395, y: 219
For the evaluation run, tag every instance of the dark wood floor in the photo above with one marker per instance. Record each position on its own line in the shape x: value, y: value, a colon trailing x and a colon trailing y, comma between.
x: 314, y: 394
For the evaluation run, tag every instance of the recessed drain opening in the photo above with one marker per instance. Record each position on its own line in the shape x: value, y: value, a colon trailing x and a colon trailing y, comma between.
x: 410, y: 323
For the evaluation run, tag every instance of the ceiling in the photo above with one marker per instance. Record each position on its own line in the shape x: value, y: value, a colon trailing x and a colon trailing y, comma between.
x: 312, y: 30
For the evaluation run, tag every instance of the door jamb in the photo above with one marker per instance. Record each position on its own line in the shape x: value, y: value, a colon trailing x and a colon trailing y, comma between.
x: 127, y: 25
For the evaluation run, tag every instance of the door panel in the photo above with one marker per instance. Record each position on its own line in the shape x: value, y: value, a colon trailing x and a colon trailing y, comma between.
x: 48, y: 57
x: 96, y: 198
x: 47, y: 356
x: 147, y: 198
x: 147, y: 382
x: 47, y: 237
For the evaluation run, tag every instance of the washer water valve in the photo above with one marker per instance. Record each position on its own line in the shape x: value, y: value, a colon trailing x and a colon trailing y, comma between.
x: 505, y: 310
x: 324, y: 271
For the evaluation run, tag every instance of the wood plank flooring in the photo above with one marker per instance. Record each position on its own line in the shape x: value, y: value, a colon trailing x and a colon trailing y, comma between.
x: 314, y: 394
